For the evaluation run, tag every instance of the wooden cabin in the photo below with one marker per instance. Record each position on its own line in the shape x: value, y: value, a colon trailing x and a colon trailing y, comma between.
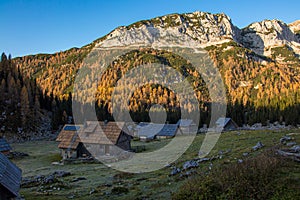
x: 10, y: 179
x: 147, y: 131
x: 106, y: 139
x: 70, y: 143
x: 168, y: 131
x: 227, y: 124
x: 187, y: 126
x: 5, y: 148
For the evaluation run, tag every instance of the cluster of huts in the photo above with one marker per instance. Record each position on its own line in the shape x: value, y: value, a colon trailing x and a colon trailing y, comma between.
x: 150, y: 131
x: 111, y: 139
x: 102, y: 138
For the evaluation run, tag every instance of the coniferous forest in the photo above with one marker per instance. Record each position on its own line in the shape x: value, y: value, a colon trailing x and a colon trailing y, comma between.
x: 41, y: 85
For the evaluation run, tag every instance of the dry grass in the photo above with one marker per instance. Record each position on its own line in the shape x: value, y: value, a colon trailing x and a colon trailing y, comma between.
x: 260, y: 177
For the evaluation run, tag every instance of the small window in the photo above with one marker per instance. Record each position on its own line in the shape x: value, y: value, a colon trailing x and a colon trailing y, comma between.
x: 106, y: 149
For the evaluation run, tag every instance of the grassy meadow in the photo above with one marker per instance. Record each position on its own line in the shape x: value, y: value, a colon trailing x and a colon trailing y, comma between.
x: 102, y: 182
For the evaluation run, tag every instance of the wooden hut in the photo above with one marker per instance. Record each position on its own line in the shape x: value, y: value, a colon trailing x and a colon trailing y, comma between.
x: 70, y: 143
x: 5, y: 148
x: 148, y: 131
x: 187, y: 126
x: 106, y: 139
x: 168, y: 131
x: 227, y: 124
x: 10, y: 179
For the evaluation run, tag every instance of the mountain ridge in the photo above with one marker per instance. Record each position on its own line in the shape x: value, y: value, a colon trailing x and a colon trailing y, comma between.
x: 221, y: 30
x: 206, y: 29
x: 262, y: 82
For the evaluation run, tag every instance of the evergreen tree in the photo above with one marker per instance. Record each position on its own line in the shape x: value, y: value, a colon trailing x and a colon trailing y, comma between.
x: 25, y: 109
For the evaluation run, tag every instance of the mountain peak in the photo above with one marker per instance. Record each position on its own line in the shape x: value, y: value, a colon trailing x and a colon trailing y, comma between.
x: 201, y: 29
x: 295, y: 26
x: 262, y: 36
x: 196, y: 29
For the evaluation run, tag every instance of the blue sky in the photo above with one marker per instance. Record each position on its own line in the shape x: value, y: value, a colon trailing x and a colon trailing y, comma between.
x: 32, y: 26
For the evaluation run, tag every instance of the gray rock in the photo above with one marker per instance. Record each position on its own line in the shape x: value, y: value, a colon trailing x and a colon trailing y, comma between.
x: 39, y: 178
x: 259, y: 145
x: 246, y: 154
x: 290, y: 144
x: 175, y: 171
x: 190, y: 164
x: 224, y: 152
x: 210, y: 166
x: 285, y: 139
x: 203, y: 160
x: 61, y: 173
x: 92, y: 191
x: 49, y: 179
x: 296, y: 148
x: 57, y: 163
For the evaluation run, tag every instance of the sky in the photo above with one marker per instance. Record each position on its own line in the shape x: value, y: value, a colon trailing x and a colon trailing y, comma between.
x: 38, y: 26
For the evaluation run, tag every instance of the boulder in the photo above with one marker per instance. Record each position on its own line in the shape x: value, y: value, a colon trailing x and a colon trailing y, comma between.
x: 290, y: 144
x: 259, y: 145
x: 175, y: 171
x: 285, y: 139
x: 203, y: 160
x: 61, y: 173
x: 190, y: 164
x: 49, y: 179
x: 295, y: 149
x: 245, y: 154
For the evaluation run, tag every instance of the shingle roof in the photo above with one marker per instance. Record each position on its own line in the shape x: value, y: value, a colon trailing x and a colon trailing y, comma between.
x: 10, y: 175
x: 149, y: 130
x: 103, y: 133
x: 69, y: 141
x: 67, y: 129
x: 4, y: 146
x: 68, y: 137
x: 222, y: 122
x: 168, y: 130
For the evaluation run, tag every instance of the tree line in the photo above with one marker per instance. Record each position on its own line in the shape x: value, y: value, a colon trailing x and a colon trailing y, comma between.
x: 256, y: 91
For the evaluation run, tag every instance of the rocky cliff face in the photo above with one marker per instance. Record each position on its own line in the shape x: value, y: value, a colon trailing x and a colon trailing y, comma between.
x: 196, y: 29
x: 200, y: 29
x: 295, y: 27
x: 261, y: 37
